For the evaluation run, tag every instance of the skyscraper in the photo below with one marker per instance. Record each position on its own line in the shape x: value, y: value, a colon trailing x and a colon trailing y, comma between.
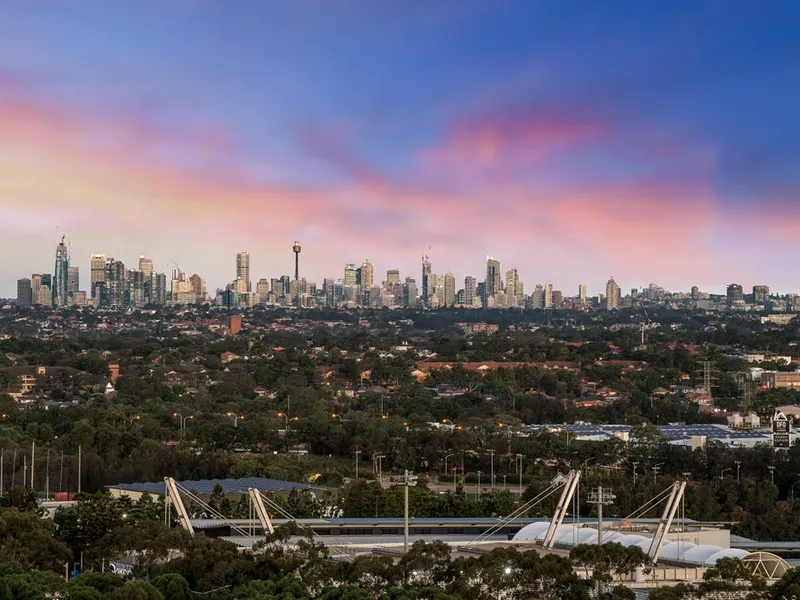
x: 449, y: 298
x: 735, y: 294
x: 146, y: 267
x: 470, y: 290
x: 426, y: 274
x: 582, y: 293
x: 760, y: 294
x: 410, y: 293
x: 61, y: 275
x: 367, y: 275
x: 97, y: 272
x: 392, y: 277
x: 243, y: 269
x: 612, y: 295
x: 73, y: 280
x: 24, y: 292
x: 350, y: 274
x: 494, y: 282
x: 548, y: 295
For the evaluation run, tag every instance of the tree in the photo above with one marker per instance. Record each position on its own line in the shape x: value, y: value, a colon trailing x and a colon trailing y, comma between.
x: 172, y: 586
x: 138, y: 590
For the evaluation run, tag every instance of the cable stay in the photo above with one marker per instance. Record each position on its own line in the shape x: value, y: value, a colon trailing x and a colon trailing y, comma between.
x: 557, y: 483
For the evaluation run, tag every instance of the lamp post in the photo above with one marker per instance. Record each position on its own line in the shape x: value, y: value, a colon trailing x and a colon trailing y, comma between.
x: 491, y: 462
x: 636, y: 464
x: 134, y: 418
x: 182, y: 421
x: 519, y: 460
x: 235, y: 418
x: 722, y: 473
x: 446, y: 456
x: 772, y: 474
x: 738, y: 465
x: 357, y: 453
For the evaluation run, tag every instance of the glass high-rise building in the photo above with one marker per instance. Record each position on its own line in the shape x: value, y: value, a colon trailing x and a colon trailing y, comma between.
x: 60, y: 287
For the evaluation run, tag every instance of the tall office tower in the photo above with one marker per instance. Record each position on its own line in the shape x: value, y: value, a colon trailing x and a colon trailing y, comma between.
x: 262, y: 290
x: 367, y: 275
x: 548, y: 295
x: 73, y: 280
x: 735, y: 294
x: 512, y: 285
x: 36, y: 283
x: 115, y: 282
x: 61, y: 275
x: 494, y: 283
x: 24, y: 292
x: 449, y: 296
x: 97, y: 270
x: 695, y: 293
x: 410, y: 293
x: 350, y: 274
x: 470, y: 290
x: 537, y: 297
x: 760, y: 294
x: 558, y: 298
x: 426, y: 274
x: 392, y: 278
x: 243, y: 269
x: 45, y: 296
x: 198, y: 287
x: 582, y: 293
x: 159, y: 289
x: 612, y: 295
x: 134, y: 288
x: 285, y: 281
x: 276, y: 286
x: 146, y: 267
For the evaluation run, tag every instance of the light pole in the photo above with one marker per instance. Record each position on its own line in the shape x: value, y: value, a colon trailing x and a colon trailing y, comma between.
x: 491, y: 462
x: 771, y: 474
x: 478, y: 494
x: 722, y: 473
x: 446, y: 456
x: 738, y: 464
x: 286, y: 421
x: 134, y: 418
x: 519, y: 459
x: 182, y: 421
x: 357, y: 453
x: 656, y: 469
x: 235, y: 418
x: 636, y: 464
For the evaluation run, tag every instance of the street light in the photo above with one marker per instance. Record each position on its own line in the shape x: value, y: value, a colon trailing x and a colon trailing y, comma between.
x: 738, y: 464
x: 357, y: 453
x: 772, y: 474
x: 722, y: 473
x: 446, y: 456
x: 235, y: 418
x: 337, y: 416
x: 182, y: 420
x: 636, y: 464
x: 134, y: 418
x: 519, y: 460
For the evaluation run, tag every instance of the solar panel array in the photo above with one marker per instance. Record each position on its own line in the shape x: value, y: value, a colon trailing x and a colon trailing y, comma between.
x: 673, y: 432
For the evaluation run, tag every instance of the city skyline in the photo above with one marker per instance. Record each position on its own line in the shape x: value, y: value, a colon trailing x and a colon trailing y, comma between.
x: 428, y: 284
x: 561, y: 139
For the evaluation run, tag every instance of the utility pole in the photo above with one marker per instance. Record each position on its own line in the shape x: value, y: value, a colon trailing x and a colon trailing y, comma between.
x: 772, y: 474
x: 357, y: 453
x: 738, y: 464
x: 601, y: 496
x: 634, y: 473
x: 79, y: 469
x: 33, y: 462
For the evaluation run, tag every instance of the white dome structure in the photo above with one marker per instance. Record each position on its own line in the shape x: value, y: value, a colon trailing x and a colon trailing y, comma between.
x: 700, y: 555
x: 676, y: 550
x: 531, y: 532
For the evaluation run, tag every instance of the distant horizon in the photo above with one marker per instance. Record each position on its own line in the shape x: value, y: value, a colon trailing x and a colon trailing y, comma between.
x: 574, y: 142
x: 379, y: 275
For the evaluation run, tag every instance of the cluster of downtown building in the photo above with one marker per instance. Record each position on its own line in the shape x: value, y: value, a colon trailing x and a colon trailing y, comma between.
x: 112, y: 284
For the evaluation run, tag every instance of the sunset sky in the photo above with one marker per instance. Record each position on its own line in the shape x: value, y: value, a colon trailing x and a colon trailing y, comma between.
x: 649, y: 141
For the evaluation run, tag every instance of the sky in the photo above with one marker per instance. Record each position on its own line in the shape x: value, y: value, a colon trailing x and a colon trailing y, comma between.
x: 572, y: 140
